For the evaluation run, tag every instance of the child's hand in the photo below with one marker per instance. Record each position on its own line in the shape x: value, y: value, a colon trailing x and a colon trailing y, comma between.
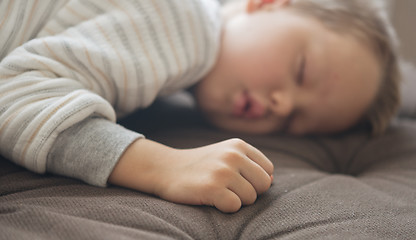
x: 226, y: 175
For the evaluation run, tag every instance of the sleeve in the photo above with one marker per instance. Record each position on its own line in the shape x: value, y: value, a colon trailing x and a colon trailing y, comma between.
x: 90, y: 62
x: 58, y: 96
x: 101, y: 143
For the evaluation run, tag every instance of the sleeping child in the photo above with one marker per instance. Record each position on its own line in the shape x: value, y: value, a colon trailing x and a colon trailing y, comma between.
x: 70, y: 68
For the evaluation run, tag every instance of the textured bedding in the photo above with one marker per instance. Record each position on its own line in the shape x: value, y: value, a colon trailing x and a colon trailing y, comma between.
x: 348, y: 186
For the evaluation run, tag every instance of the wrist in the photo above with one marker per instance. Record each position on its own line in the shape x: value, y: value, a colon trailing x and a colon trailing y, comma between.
x: 140, y: 166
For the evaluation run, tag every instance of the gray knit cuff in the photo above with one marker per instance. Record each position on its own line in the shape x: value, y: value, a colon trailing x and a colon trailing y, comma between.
x: 89, y: 150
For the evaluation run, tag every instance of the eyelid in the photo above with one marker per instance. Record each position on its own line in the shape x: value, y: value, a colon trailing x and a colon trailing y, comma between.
x: 301, y: 72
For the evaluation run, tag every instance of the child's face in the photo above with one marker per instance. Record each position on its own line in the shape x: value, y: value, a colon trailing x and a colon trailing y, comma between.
x: 279, y: 71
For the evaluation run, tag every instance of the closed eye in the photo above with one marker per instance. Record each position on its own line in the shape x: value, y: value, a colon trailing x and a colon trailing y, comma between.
x: 300, y: 77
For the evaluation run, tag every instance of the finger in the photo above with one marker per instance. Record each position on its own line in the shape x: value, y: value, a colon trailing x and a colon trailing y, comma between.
x: 243, y: 189
x: 226, y: 201
x: 255, y: 175
x: 257, y: 156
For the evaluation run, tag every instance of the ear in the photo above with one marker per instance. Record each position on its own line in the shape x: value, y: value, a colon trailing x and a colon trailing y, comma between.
x: 255, y: 5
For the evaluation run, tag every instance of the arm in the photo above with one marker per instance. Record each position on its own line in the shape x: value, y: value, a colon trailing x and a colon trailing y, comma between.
x: 58, y: 94
x: 226, y: 175
x: 53, y: 83
x: 85, y: 66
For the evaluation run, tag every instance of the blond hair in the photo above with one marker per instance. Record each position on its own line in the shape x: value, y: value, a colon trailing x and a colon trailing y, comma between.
x: 368, y: 21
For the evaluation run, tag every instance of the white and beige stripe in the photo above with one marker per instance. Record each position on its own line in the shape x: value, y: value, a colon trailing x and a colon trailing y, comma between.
x: 63, y: 61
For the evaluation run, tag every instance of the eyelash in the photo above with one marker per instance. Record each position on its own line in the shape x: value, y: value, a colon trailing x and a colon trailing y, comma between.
x: 301, y: 73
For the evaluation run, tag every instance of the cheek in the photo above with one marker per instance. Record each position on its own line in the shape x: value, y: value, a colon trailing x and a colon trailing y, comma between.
x: 205, y: 96
x: 266, y: 71
x: 211, y: 96
x: 331, y: 118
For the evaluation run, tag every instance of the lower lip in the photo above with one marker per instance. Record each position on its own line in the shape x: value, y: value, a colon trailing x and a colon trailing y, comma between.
x: 255, y: 111
x: 239, y: 105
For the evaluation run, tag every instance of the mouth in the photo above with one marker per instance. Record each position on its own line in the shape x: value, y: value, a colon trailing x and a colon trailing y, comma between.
x: 246, y: 106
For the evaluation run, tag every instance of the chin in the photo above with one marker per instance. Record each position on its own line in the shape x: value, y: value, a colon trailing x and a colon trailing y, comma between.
x: 252, y: 130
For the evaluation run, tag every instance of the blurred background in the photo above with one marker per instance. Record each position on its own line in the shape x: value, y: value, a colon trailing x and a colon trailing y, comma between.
x: 404, y: 19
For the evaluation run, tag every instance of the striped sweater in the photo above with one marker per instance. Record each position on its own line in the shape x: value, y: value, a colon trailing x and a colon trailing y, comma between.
x: 69, y: 68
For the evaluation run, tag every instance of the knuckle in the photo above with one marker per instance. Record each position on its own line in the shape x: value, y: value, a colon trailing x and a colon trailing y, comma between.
x: 251, y: 198
x: 237, y: 142
x: 218, y: 179
x: 228, y: 203
x: 231, y: 157
x: 235, y: 205
x: 263, y: 186
x: 223, y: 175
x: 271, y: 171
x: 271, y: 167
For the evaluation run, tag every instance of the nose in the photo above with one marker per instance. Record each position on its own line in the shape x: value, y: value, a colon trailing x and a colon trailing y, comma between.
x: 282, y: 103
